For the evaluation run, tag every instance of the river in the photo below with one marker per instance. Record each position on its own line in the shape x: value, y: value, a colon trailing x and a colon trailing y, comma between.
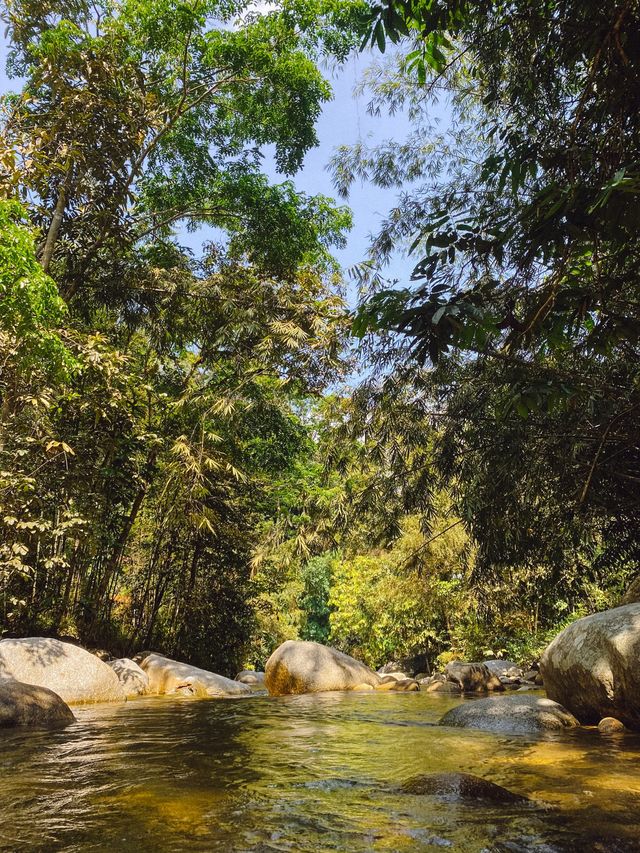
x: 306, y: 773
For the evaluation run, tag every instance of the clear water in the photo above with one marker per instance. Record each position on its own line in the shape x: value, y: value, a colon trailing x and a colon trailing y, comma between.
x: 307, y: 773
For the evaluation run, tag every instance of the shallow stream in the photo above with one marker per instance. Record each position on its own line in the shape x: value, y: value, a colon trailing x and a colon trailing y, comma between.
x: 307, y: 773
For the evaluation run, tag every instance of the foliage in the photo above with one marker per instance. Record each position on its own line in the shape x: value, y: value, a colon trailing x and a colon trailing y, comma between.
x: 529, y: 252
x: 317, y: 579
x: 173, y: 472
x: 135, y: 486
x: 523, y: 207
x: 381, y: 611
x: 30, y: 308
x: 141, y: 115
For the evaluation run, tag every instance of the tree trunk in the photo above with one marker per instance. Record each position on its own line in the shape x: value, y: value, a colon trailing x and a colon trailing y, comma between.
x: 56, y: 220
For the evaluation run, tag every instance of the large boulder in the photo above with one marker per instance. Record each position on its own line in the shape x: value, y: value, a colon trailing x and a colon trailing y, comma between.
x: 472, y: 677
x: 30, y: 705
x: 593, y: 666
x: 134, y: 680
x: 299, y: 666
x: 73, y: 673
x: 510, y: 715
x: 171, y: 676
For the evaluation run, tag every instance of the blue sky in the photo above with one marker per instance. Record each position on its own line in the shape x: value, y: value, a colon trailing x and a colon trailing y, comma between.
x: 344, y: 121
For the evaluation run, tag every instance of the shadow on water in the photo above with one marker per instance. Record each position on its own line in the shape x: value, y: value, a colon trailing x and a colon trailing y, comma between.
x: 307, y: 773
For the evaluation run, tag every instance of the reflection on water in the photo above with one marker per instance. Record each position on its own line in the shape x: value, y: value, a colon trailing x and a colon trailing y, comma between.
x: 306, y: 773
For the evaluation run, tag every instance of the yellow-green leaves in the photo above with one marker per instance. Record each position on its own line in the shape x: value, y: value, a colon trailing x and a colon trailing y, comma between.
x: 31, y: 309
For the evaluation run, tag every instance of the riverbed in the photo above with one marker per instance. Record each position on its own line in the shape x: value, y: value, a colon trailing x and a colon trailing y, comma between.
x: 307, y: 773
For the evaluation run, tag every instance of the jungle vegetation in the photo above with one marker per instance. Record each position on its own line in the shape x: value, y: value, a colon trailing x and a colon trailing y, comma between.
x: 207, y: 453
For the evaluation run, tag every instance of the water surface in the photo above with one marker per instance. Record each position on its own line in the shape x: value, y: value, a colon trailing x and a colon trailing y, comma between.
x: 306, y: 773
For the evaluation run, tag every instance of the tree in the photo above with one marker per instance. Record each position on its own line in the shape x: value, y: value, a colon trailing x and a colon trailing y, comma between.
x: 525, y: 213
x: 139, y: 116
x: 134, y: 485
x: 543, y: 232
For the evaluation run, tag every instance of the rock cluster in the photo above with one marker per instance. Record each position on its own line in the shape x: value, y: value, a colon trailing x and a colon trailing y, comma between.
x: 41, y: 676
x: 590, y: 672
x: 479, y: 677
x: 299, y: 666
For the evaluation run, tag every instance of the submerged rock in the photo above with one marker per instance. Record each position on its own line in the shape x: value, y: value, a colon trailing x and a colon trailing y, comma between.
x: 472, y: 677
x: 609, y: 726
x: 73, y: 673
x: 592, y: 666
x: 299, y: 666
x: 511, y: 715
x: 30, y: 705
x: 461, y: 786
x: 171, y: 676
x: 134, y: 680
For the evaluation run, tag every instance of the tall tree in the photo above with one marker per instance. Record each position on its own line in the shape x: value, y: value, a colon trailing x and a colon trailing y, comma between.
x: 524, y: 211
x: 130, y: 495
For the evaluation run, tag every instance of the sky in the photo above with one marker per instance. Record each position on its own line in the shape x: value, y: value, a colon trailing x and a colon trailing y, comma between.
x: 343, y: 121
